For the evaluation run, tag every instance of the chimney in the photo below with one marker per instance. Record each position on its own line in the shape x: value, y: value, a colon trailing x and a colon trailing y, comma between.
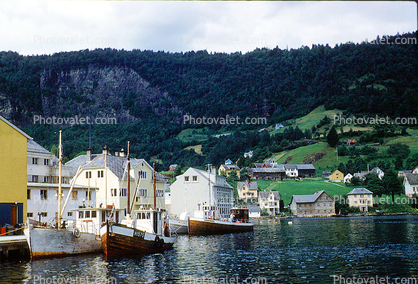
x: 213, y: 170
x: 122, y: 153
x: 116, y: 154
x: 88, y: 154
x: 105, y: 152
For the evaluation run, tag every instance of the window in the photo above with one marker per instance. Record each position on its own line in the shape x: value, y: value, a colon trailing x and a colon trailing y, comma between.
x: 88, y: 174
x: 74, y: 195
x: 93, y: 214
x: 44, y: 194
x: 194, y: 178
x: 45, y: 179
x: 44, y: 214
x: 87, y: 214
x: 88, y: 195
x: 122, y: 192
x: 186, y: 178
x: 34, y: 161
x: 28, y: 194
x: 30, y: 214
x: 160, y: 193
x: 113, y: 192
x: 100, y: 174
x: 35, y: 178
x: 70, y: 214
x: 142, y: 174
x: 143, y: 192
x: 46, y: 162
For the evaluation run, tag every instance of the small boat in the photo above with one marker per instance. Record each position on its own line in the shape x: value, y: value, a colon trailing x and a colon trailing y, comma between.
x: 239, y: 222
x: 147, y: 232
x: 180, y: 225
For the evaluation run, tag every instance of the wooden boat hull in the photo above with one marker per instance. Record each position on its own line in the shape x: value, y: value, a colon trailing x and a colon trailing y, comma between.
x: 210, y: 227
x: 48, y: 242
x: 121, y: 240
x: 179, y: 226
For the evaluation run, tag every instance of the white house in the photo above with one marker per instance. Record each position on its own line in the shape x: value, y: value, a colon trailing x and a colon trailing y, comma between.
x: 248, y: 154
x: 196, y: 189
x: 269, y: 200
x: 347, y: 178
x: 410, y: 183
x: 361, y: 198
x: 42, y: 187
x: 378, y: 171
x: 291, y: 171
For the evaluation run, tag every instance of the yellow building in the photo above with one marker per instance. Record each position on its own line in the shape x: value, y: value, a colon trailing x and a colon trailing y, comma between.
x: 336, y: 176
x: 13, y: 169
x: 247, y: 190
x: 361, y: 198
x: 228, y: 169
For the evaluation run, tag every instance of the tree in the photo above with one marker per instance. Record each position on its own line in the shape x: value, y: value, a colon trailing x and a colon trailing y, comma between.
x: 398, y: 163
x: 392, y: 184
x: 332, y: 137
x: 399, y: 149
x: 374, y: 184
x: 177, y: 170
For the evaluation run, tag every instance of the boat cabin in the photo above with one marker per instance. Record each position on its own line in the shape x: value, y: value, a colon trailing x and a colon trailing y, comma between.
x: 240, y: 214
x: 149, y: 220
x: 89, y: 220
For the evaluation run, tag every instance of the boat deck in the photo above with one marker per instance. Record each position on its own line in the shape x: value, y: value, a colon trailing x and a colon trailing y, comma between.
x: 13, y: 243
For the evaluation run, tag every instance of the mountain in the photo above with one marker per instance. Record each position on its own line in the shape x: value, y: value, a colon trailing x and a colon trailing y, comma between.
x: 148, y: 92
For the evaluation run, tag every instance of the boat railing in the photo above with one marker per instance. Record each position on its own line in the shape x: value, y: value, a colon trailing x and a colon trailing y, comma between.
x: 85, y: 226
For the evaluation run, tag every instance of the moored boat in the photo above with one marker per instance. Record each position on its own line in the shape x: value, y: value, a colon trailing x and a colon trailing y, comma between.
x: 239, y: 222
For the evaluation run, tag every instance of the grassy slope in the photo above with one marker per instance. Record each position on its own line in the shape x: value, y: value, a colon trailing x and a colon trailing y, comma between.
x: 196, y: 148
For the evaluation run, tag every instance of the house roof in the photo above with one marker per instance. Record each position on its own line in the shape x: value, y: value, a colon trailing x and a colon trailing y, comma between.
x: 360, y: 190
x: 265, y: 194
x: 15, y: 127
x: 268, y: 170
x: 307, y: 198
x: 253, y: 208
x: 36, y: 148
x: 412, y: 178
x: 231, y: 167
x: 360, y: 175
x: 305, y: 167
x: 251, y: 185
x: 376, y: 170
x: 259, y: 165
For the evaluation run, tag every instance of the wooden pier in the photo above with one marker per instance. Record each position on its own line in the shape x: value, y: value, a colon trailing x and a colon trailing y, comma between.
x: 13, y: 245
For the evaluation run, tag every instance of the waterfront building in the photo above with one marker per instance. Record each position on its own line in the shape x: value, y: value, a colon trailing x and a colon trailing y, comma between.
x: 43, y: 183
x: 361, y: 198
x: 270, y: 200
x: 13, y: 155
x: 410, y: 183
x: 190, y: 193
x: 310, y: 205
x: 109, y: 175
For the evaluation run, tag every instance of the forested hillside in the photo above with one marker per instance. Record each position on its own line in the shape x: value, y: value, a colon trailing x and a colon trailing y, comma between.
x: 149, y: 92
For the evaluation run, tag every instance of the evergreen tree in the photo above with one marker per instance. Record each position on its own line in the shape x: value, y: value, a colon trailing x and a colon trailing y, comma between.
x: 392, y: 184
x: 332, y: 137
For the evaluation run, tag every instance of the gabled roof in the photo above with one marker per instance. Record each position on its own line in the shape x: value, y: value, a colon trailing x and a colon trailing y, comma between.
x: 230, y: 167
x: 251, y: 185
x: 307, y: 198
x: 265, y: 194
x: 15, y: 127
x: 360, y: 190
x: 36, y: 148
x: 268, y: 170
x: 305, y: 167
x: 412, y: 178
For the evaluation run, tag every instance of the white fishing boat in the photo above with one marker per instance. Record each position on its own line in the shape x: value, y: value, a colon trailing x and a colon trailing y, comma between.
x: 180, y: 225
x: 76, y: 237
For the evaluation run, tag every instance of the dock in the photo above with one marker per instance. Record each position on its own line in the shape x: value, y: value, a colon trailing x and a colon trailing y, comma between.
x: 13, y: 245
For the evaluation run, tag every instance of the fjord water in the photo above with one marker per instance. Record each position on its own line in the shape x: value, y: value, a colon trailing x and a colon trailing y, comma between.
x: 313, y: 250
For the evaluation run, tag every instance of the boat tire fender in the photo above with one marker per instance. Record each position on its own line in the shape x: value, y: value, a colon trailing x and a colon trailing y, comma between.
x: 156, y: 241
x: 161, y: 243
x: 76, y: 233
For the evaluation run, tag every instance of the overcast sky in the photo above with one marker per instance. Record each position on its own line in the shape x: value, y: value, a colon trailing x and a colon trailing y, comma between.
x: 46, y: 27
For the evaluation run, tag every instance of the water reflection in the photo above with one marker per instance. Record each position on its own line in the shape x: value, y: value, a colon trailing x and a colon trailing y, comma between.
x: 305, y: 251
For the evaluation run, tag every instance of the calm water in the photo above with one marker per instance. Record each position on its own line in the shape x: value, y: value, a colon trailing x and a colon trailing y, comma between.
x: 316, y: 250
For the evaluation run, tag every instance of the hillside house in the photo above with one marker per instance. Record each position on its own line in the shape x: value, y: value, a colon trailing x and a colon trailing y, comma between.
x: 306, y: 170
x: 228, y: 168
x: 378, y: 171
x: 347, y: 178
x: 351, y: 142
x: 410, y: 183
x: 361, y: 198
x: 278, y: 126
x: 402, y: 173
x: 267, y: 173
x: 172, y: 167
x: 13, y: 169
x: 271, y: 162
x: 270, y: 200
x: 248, y: 154
x: 291, y: 171
x: 415, y: 171
x: 247, y: 190
x: 317, y: 204
x: 336, y: 176
x: 326, y: 174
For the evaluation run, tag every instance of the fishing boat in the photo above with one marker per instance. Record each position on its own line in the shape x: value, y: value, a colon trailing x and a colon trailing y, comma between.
x: 180, y: 225
x: 146, y: 232
x: 81, y: 236
x: 238, y: 222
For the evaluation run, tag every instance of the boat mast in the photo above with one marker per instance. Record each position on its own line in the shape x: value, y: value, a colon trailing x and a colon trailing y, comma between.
x: 128, y: 175
x: 153, y: 184
x: 59, y: 181
x: 210, y: 195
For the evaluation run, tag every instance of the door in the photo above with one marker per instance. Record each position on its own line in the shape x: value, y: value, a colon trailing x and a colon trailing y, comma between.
x: 13, y: 215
